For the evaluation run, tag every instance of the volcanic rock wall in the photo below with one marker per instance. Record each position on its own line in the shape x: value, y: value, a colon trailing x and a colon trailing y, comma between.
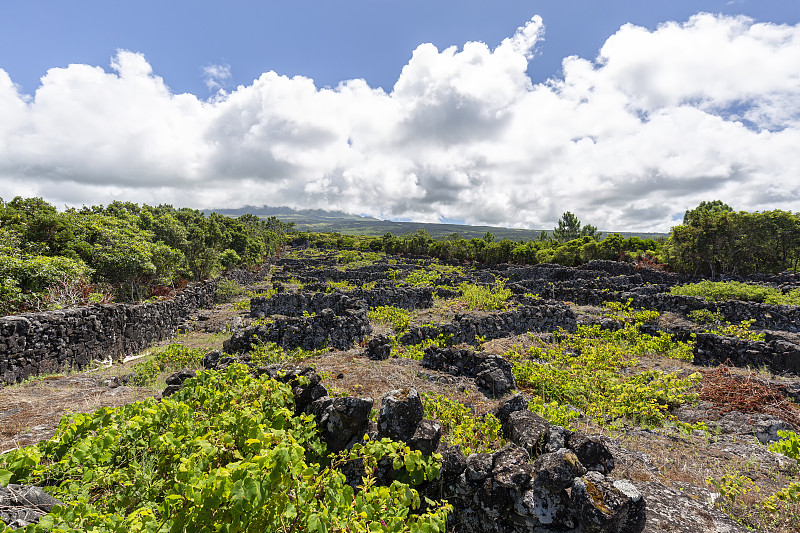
x: 36, y: 343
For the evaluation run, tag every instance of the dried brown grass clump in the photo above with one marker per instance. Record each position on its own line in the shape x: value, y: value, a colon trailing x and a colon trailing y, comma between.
x: 747, y: 393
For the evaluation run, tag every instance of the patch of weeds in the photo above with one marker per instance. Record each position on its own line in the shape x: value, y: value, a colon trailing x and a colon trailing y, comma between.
x: 398, y: 318
x: 625, y: 313
x: 421, y: 278
x: 742, y: 499
x: 244, y: 305
x: 296, y: 282
x: 269, y: 353
x: 226, y: 291
x: 740, y: 331
x: 339, y: 285
x: 416, y: 351
x: 705, y: 316
x: 554, y: 412
x: 478, y: 298
x: 461, y: 427
x: 353, y: 259
x: 171, y: 359
x: 687, y: 429
x: 447, y: 270
x: 716, y: 291
x: 586, y: 371
x: 788, y: 445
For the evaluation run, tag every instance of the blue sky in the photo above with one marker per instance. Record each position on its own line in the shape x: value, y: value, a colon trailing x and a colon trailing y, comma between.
x: 328, y: 41
x: 480, y: 132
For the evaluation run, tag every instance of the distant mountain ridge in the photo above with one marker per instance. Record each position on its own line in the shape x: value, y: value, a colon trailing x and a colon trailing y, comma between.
x: 321, y: 220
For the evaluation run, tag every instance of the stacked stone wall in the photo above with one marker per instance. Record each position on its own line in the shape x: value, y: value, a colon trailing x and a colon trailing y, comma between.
x: 339, y: 322
x: 36, y: 343
x: 292, y: 304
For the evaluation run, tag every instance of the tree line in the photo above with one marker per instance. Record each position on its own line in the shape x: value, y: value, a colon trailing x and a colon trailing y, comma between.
x: 122, y: 251
x: 126, y: 252
x: 713, y: 240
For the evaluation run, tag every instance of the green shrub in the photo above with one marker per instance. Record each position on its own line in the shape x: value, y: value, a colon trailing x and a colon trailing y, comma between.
x: 225, y: 453
x: 790, y: 298
x: 227, y: 290
x: 244, y: 305
x: 24, y: 280
x: 705, y: 316
x: 173, y: 358
x: 788, y: 445
x: 590, y: 371
x: 481, y: 298
x: 421, y: 278
x: 740, y: 331
x: 398, y: 318
x: 339, y: 285
x: 461, y: 427
x: 229, y: 258
x: 716, y: 291
x: 269, y: 353
x: 416, y: 351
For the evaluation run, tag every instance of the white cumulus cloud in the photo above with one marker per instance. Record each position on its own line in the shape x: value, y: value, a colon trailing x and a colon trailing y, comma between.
x: 216, y: 76
x: 660, y: 120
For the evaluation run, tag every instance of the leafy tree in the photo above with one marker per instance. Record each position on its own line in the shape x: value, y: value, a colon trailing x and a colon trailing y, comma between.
x: 569, y: 228
x: 229, y: 258
x: 715, y: 240
x: 713, y: 208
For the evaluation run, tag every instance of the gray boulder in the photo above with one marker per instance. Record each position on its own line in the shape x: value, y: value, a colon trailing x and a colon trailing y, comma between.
x: 602, y: 505
x: 400, y: 414
x: 426, y: 437
x: 528, y: 430
x: 342, y: 421
x: 22, y: 505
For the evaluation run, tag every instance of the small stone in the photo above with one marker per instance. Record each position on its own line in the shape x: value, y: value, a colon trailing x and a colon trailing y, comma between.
x: 593, y: 454
x: 512, y: 467
x: 479, y: 467
x: 508, y: 406
x: 599, y: 505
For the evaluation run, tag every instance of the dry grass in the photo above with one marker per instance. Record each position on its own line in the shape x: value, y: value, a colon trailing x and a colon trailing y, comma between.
x: 351, y: 373
x: 30, y: 412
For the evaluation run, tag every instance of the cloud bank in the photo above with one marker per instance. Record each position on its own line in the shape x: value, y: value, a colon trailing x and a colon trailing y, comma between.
x: 657, y: 122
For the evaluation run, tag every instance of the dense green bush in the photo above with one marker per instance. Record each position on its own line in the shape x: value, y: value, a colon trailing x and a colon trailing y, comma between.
x: 462, y: 427
x: 225, y: 453
x: 590, y: 372
x: 398, y: 318
x: 477, y: 297
x: 716, y: 291
x: 714, y: 239
x: 131, y: 249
